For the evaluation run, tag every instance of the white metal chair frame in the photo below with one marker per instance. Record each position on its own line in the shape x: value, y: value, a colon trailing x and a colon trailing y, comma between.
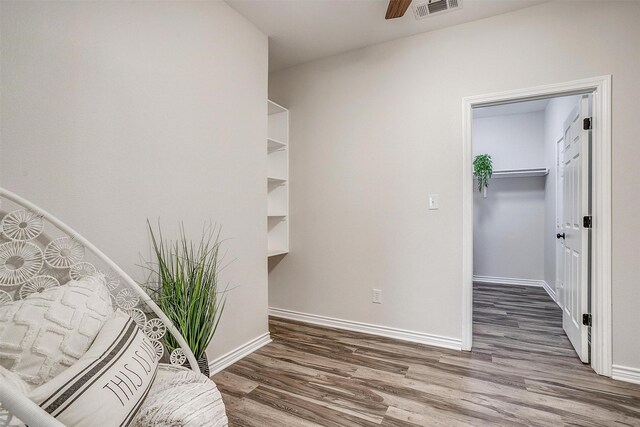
x: 17, y: 403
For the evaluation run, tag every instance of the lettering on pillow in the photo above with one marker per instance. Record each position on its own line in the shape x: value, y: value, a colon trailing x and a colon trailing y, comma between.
x: 134, y: 375
x: 108, y: 384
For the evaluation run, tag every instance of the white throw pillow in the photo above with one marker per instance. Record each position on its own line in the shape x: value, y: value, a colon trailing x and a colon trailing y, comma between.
x: 181, y: 397
x: 45, y: 333
x: 108, y: 384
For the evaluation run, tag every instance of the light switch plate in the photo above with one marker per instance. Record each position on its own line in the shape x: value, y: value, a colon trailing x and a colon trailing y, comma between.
x: 377, y: 296
x: 433, y: 202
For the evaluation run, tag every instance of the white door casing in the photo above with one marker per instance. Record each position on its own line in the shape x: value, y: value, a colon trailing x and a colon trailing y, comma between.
x: 559, y: 288
x: 575, y: 263
x: 600, y: 89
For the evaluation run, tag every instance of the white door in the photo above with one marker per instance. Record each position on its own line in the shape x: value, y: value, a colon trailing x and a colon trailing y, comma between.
x: 576, y: 237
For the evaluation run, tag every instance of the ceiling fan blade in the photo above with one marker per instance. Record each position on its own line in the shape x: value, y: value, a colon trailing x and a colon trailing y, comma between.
x: 397, y: 8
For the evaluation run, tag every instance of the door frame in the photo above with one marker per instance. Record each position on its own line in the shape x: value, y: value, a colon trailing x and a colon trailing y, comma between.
x: 600, y: 88
x: 559, y: 205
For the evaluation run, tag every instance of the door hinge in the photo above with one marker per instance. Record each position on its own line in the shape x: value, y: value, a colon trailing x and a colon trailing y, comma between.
x: 586, y: 319
x: 586, y: 123
x: 586, y: 221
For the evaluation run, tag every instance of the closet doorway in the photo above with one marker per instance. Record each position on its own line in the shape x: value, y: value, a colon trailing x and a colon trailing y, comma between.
x: 526, y: 230
x: 530, y: 241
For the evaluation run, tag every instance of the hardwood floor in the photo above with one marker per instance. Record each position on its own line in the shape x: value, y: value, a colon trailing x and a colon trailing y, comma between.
x: 522, y: 371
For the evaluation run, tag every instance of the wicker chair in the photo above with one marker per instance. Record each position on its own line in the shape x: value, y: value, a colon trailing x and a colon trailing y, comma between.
x: 52, y: 254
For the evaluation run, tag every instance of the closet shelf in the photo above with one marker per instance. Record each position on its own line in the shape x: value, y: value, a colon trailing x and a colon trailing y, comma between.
x: 520, y: 173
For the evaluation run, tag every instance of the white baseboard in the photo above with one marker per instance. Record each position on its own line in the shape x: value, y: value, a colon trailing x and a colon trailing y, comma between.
x: 551, y: 292
x: 508, y: 281
x: 366, y: 328
x: 625, y: 373
x: 517, y: 282
x: 233, y: 356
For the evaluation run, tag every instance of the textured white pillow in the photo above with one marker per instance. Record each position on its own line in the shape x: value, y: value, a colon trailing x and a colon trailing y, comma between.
x: 108, y: 384
x: 181, y: 397
x: 45, y: 333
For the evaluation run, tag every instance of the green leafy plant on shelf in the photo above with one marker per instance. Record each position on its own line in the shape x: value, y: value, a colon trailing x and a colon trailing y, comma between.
x: 185, y: 285
x: 483, y: 170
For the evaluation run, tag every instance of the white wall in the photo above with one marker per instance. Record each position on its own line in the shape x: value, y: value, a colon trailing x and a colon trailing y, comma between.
x: 373, y: 131
x: 114, y: 112
x: 508, y: 226
x: 556, y: 112
x: 513, y: 140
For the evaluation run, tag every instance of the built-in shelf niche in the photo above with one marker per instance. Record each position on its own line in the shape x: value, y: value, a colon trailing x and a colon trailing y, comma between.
x: 278, y: 235
x: 277, y: 180
x: 277, y: 164
x: 277, y: 199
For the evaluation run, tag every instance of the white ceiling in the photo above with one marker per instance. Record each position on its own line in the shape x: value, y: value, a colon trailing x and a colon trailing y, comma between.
x: 304, y: 30
x: 513, y: 108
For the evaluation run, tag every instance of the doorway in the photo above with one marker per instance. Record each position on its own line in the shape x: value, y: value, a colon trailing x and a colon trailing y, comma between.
x: 598, y: 269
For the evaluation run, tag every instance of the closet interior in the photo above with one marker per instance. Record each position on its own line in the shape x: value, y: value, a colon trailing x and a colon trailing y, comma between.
x: 516, y: 219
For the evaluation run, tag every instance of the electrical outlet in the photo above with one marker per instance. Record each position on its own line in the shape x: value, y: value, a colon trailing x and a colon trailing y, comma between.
x: 377, y: 296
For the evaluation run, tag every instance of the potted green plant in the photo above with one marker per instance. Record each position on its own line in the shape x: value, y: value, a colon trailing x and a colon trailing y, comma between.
x: 184, y: 282
x: 483, y: 170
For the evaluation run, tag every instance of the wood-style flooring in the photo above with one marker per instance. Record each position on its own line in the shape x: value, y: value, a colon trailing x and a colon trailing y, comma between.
x: 522, y: 371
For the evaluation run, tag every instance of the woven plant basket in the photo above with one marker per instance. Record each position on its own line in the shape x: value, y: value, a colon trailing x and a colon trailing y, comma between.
x: 203, y: 364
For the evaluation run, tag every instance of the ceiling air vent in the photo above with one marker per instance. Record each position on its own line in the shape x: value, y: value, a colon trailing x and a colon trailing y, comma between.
x: 425, y: 8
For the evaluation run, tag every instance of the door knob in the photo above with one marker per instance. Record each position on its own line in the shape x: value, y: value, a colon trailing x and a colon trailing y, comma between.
x: 560, y: 236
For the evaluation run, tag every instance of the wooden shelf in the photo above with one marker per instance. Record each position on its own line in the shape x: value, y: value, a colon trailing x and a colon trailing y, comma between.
x: 520, y: 173
x: 277, y: 215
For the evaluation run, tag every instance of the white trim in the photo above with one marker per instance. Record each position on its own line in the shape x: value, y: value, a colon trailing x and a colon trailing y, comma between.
x: 508, y: 281
x: 625, y: 373
x: 601, y: 340
x: 367, y: 328
x: 551, y: 292
x: 600, y: 87
x: 233, y: 356
x: 467, y: 226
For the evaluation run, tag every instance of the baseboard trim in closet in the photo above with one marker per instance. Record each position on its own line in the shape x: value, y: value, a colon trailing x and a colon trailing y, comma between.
x: 508, y: 281
x: 625, y: 373
x: 233, y: 356
x: 551, y: 292
x: 367, y: 328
